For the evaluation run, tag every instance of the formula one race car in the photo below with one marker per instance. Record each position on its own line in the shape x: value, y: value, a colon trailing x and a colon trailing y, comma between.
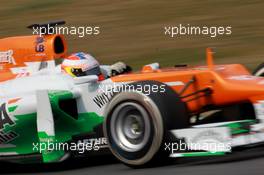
x: 140, y: 117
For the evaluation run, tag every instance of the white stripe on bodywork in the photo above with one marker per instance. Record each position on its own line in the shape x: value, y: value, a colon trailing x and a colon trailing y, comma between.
x: 8, y: 154
x: 259, y: 111
x: 216, y: 139
x: 247, y: 139
x: 45, y: 122
x: 216, y: 124
x: 174, y: 83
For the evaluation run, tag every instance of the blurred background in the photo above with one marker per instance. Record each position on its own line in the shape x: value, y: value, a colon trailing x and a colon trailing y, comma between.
x: 133, y: 30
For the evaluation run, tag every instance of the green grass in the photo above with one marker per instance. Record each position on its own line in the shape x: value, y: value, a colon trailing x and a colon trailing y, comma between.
x: 132, y: 30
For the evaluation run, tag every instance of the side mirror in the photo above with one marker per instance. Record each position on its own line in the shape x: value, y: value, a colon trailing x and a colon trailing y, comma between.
x: 86, y: 79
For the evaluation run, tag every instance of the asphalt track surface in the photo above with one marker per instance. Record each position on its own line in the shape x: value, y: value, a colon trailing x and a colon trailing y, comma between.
x: 245, y: 162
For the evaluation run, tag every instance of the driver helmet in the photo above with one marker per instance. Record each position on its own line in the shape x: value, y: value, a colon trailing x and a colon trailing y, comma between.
x: 81, y: 64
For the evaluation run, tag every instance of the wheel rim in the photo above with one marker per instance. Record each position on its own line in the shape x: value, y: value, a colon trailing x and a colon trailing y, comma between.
x: 130, y: 126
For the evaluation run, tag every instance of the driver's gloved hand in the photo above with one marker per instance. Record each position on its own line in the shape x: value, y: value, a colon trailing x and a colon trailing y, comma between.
x: 119, y: 68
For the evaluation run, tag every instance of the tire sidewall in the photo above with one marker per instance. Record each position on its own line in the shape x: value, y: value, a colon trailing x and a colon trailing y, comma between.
x: 157, y: 130
x: 166, y: 111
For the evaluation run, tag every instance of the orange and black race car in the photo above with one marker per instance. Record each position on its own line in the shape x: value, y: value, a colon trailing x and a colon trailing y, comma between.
x: 141, y: 117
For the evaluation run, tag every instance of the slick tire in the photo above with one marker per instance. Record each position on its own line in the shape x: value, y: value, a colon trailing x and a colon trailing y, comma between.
x: 137, y: 124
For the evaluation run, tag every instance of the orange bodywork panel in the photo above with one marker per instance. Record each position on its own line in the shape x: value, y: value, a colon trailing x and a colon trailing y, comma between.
x: 16, y: 52
x: 227, y: 84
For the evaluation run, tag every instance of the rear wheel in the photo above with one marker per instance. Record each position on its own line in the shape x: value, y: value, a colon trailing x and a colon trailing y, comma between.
x: 137, y: 125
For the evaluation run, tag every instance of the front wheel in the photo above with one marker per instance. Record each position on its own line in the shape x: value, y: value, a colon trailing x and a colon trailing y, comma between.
x: 137, y: 124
